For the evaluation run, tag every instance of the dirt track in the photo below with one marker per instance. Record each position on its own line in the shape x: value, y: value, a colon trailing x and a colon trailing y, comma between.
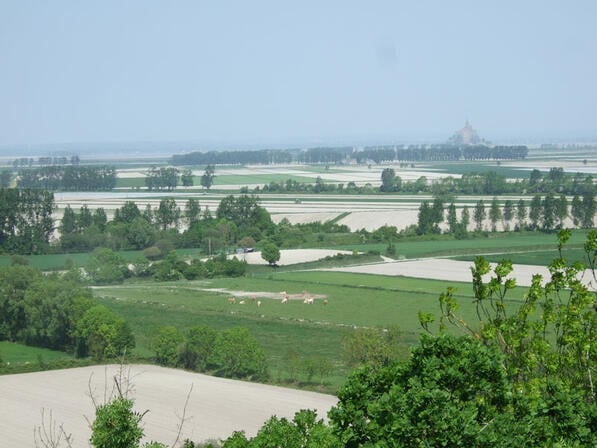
x: 217, y: 406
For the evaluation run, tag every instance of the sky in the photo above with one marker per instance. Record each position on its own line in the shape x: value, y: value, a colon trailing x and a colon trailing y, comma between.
x: 296, y: 73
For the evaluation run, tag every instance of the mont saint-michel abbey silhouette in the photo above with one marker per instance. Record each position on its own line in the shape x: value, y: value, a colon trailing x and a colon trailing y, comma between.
x: 466, y: 136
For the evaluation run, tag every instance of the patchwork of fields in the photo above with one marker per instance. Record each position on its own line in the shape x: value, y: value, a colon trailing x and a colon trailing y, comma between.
x: 387, y: 294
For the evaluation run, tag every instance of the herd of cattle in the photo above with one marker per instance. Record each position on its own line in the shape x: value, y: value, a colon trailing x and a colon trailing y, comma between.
x: 284, y: 296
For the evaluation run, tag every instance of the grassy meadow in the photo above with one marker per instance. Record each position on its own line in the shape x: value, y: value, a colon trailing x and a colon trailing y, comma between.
x: 291, y: 331
x: 11, y: 352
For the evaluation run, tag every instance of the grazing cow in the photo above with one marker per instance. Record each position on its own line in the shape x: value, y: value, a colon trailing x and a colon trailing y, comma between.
x: 308, y: 301
x: 325, y: 301
x: 258, y: 303
x: 253, y: 298
x: 231, y: 300
x: 284, y: 299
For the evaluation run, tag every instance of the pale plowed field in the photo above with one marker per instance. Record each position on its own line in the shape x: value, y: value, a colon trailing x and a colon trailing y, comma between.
x: 216, y: 408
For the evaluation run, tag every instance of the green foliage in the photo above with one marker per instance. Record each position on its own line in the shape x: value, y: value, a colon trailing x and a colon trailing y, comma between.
x: 304, y: 431
x: 197, y: 349
x: 371, y: 347
x: 207, y: 179
x: 270, y: 253
x: 165, y: 344
x: 106, y: 267
x: 548, y: 345
x: 237, y: 354
x: 447, y: 394
x: 116, y: 425
x: 102, y: 334
x: 26, y: 222
x: 163, y: 178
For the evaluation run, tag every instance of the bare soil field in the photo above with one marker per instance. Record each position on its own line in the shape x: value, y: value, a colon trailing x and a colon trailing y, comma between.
x: 449, y: 270
x: 216, y: 407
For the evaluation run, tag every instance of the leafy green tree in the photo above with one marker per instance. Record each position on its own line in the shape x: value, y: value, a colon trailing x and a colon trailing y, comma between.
x: 52, y: 307
x: 508, y: 213
x: 465, y: 218
x: 549, y: 208
x: 237, y: 354
x: 270, y: 253
x: 197, y: 348
x: 166, y: 344
x: 588, y: 207
x: 102, y: 334
x: 535, y: 212
x: 561, y: 211
x: 208, y: 177
x: 127, y: 213
x: 85, y: 218
x: 192, y: 212
x: 479, y: 215
x: 425, y: 219
x: 449, y: 393
x: 106, y: 267
x: 521, y: 213
x: 100, y: 219
x: 547, y: 344
x: 304, y: 431
x: 437, y: 214
x: 116, y: 425
x: 14, y: 283
x: 576, y: 210
x: 495, y: 213
x: 452, y: 218
x: 163, y: 178
x: 167, y: 214
x: 369, y: 347
x: 68, y: 223
x: 186, y: 178
x: 140, y: 234
x: 388, y: 178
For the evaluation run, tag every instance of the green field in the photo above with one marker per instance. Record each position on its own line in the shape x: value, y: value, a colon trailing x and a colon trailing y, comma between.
x: 535, y: 247
x: 308, y: 331
x: 265, y: 178
x: 14, y: 353
x: 524, y: 248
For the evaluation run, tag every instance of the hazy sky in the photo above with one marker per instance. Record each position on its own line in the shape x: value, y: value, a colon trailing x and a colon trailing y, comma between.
x: 295, y: 72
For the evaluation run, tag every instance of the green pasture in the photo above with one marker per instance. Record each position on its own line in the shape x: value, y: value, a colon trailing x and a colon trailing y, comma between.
x: 257, y: 178
x: 461, y: 167
x: 307, y: 331
x: 56, y: 262
x: 512, y: 245
x: 130, y: 182
x: 11, y: 352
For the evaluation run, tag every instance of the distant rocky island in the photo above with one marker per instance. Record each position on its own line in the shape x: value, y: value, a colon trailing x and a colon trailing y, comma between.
x: 466, y: 136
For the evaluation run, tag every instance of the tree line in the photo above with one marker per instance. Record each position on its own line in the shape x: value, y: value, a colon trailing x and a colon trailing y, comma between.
x: 258, y: 157
x: 57, y: 313
x: 23, y: 162
x: 347, y: 154
x: 546, y: 213
x: 555, y: 181
x: 25, y: 220
x: 68, y: 178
